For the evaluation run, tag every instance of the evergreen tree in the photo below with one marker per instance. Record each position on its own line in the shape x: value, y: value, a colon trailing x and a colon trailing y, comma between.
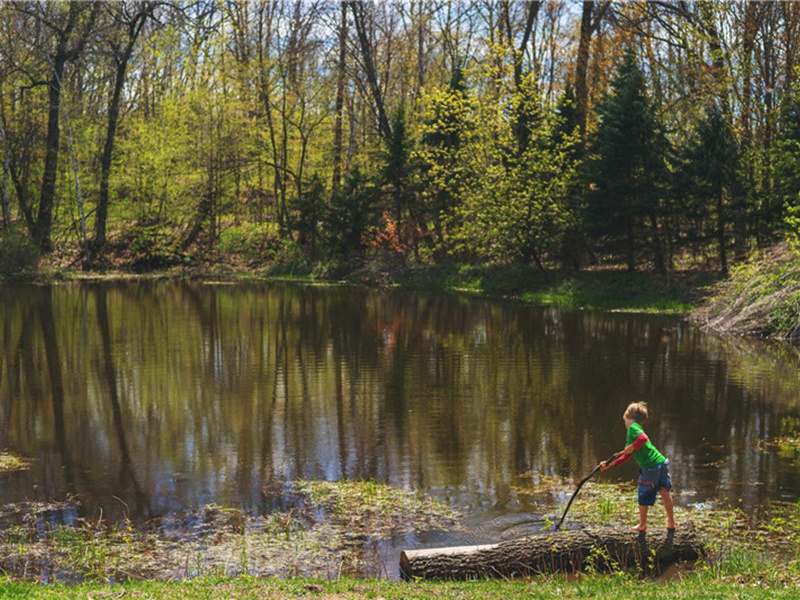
x: 351, y: 214
x: 566, y: 134
x: 626, y: 169
x: 787, y: 165
x: 310, y: 207
x: 397, y: 184
x: 713, y: 164
x: 443, y: 168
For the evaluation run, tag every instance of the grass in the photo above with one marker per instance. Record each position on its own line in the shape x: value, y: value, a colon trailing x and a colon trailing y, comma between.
x: 692, y: 585
x: 606, y: 289
x: 326, y: 529
x: 601, y: 289
x: 761, y: 297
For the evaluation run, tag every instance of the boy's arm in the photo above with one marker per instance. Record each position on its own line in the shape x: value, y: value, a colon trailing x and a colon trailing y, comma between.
x: 627, y: 452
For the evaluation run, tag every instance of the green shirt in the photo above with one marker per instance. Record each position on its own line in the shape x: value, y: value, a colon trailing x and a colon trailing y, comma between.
x: 647, y: 456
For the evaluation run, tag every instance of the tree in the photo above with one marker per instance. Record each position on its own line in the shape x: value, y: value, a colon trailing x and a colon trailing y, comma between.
x: 396, y: 178
x: 6, y: 210
x: 592, y: 15
x: 128, y: 19
x: 352, y: 213
x: 69, y: 33
x: 444, y: 168
x: 565, y: 134
x: 787, y: 164
x: 363, y: 19
x: 713, y: 160
x: 625, y: 169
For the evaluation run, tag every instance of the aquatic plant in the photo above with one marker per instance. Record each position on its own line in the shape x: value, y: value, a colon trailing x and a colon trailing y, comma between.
x: 10, y: 462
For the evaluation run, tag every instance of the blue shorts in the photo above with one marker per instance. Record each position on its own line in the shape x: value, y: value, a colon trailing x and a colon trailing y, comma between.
x: 651, y: 481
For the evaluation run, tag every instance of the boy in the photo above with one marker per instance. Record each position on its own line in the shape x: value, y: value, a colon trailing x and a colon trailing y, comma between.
x: 653, y: 470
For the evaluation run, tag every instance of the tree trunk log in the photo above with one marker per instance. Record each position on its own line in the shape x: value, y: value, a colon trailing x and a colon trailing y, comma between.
x: 601, y: 549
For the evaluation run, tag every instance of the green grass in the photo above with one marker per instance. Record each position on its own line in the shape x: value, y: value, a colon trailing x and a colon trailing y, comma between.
x: 608, y: 289
x: 695, y: 585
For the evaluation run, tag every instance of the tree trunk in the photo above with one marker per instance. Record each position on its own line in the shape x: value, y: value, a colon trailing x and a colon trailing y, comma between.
x: 339, y: 110
x: 44, y: 219
x: 134, y: 28
x: 360, y: 18
x: 6, y: 171
x: 64, y: 52
x: 602, y: 549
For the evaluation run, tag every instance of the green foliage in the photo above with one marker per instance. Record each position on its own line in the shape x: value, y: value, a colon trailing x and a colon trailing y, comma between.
x: 310, y: 212
x: 253, y: 242
x: 447, y: 171
x: 18, y: 253
x: 787, y: 166
x: 148, y: 246
x: 626, y: 169
x: 353, y: 211
x: 513, y: 202
x: 711, y: 163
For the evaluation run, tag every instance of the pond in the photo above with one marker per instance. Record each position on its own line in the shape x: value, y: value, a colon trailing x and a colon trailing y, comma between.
x: 146, y: 399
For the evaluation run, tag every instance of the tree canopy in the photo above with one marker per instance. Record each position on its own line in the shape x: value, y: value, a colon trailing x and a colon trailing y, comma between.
x: 649, y: 135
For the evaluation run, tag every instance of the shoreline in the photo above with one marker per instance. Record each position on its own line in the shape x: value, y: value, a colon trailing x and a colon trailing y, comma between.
x: 613, y: 290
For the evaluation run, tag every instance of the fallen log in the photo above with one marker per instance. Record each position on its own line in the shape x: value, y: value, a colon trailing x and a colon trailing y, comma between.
x: 600, y: 549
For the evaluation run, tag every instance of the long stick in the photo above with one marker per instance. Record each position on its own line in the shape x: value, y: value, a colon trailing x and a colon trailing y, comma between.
x: 581, y: 482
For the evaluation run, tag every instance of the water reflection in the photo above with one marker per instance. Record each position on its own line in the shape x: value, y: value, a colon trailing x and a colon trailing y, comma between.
x: 143, y: 398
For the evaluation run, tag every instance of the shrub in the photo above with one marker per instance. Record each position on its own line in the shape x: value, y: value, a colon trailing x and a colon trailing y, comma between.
x: 18, y: 253
x: 253, y: 242
x: 147, y: 246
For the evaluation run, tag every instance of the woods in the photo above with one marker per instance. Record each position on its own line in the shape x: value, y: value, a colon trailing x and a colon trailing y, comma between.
x: 645, y: 135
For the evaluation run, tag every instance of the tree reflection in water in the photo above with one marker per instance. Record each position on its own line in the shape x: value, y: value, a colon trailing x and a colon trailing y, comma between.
x: 147, y: 397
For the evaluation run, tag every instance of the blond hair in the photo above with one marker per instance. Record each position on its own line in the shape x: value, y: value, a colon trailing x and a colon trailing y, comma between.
x: 637, y: 411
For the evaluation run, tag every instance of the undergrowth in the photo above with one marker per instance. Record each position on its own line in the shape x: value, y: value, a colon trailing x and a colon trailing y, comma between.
x: 761, y: 297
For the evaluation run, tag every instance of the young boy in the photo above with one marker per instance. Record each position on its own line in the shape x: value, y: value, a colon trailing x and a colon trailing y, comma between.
x: 653, y: 470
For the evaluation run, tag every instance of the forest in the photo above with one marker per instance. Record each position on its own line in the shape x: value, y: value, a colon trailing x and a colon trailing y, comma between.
x: 642, y: 135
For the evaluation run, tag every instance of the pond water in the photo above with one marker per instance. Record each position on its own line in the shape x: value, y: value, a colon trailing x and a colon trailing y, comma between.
x: 148, y: 398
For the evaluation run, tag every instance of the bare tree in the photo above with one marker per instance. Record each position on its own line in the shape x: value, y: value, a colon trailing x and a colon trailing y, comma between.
x: 128, y: 19
x: 592, y: 15
x: 68, y: 35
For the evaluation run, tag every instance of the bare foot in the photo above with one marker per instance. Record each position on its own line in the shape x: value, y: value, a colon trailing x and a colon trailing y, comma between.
x: 638, y: 528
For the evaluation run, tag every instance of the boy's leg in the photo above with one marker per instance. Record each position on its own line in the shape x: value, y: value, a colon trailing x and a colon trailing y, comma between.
x: 666, y: 497
x: 642, y: 526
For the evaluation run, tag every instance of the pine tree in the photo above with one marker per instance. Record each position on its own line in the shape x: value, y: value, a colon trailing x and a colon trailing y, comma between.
x: 625, y: 169
x: 787, y: 165
x: 713, y: 163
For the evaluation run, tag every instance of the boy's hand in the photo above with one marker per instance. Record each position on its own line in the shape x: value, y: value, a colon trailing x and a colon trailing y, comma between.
x: 604, y: 465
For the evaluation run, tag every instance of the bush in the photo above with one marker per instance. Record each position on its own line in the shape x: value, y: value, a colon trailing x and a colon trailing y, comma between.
x: 18, y: 253
x: 146, y: 245
x: 253, y: 242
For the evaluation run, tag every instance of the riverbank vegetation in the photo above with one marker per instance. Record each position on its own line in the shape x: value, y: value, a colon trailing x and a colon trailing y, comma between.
x: 761, y: 297
x: 325, y: 546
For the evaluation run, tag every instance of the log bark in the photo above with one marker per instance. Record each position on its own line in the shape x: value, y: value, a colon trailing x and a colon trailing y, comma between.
x: 601, y: 549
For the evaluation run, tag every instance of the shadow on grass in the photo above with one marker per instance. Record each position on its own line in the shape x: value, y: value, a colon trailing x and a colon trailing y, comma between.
x: 676, y: 292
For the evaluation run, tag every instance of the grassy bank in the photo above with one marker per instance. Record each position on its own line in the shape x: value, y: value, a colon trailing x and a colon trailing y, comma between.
x: 589, y: 586
x: 606, y: 289
x: 602, y: 289
x: 761, y: 297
